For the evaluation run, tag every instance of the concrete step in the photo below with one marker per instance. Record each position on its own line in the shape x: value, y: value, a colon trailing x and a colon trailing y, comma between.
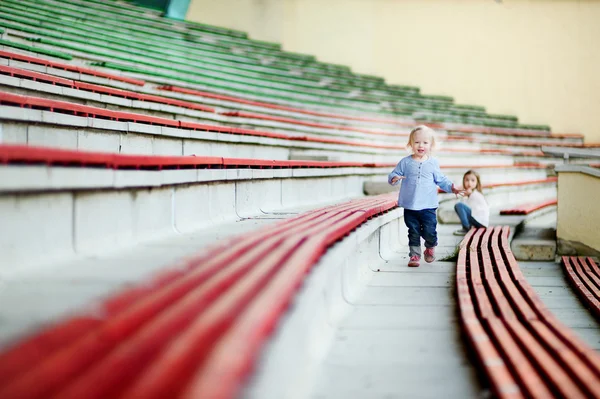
x: 400, y: 340
x: 535, y: 239
x: 67, y: 211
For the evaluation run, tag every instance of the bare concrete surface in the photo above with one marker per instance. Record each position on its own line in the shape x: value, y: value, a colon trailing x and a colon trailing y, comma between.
x: 536, y: 240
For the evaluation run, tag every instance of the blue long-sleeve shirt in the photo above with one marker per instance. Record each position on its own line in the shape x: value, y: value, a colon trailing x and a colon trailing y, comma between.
x: 419, y: 188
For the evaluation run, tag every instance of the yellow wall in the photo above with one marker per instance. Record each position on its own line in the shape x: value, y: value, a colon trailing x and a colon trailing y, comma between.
x: 578, y: 216
x: 536, y: 59
x: 261, y: 19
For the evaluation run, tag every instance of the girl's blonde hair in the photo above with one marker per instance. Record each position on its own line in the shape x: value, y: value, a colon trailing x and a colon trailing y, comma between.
x: 425, y: 129
x: 472, y: 172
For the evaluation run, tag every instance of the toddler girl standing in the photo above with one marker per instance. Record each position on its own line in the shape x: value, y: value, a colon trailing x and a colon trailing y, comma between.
x: 419, y: 195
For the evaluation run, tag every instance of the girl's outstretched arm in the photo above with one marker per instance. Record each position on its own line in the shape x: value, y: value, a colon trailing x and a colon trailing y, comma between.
x: 441, y: 180
x: 457, y: 191
x: 397, y: 174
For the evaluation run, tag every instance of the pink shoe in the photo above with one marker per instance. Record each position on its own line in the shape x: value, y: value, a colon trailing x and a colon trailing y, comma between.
x: 414, y: 261
x: 429, y: 255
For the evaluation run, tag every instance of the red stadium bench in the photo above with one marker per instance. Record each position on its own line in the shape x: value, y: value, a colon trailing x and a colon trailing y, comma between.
x: 584, y: 275
x: 251, y: 115
x: 517, y: 143
x: 528, y: 208
x: 33, y: 155
x: 203, y: 321
x: 103, y: 113
x: 95, y: 112
x: 67, y: 67
x: 501, y: 131
x: 94, y: 88
x: 524, y: 350
x: 532, y: 165
x: 512, y: 143
x: 465, y: 129
x: 537, y: 144
x: 522, y: 183
x: 182, y: 90
x: 516, y: 183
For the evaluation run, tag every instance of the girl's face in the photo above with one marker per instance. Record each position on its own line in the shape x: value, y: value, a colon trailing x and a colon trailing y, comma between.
x: 470, y: 182
x: 421, y: 144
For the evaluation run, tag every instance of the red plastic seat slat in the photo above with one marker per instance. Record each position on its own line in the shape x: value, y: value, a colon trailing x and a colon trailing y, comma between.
x: 506, y: 278
x: 242, y: 114
x: 589, y: 272
x: 551, y: 370
x: 560, y: 337
x: 68, y: 67
x: 275, y: 106
x: 483, y: 304
x: 14, y: 153
x: 520, y: 362
x: 466, y: 129
x: 569, y: 263
x: 593, y: 266
x: 501, y: 379
x: 561, y: 363
x: 589, y: 283
x: 208, y: 310
x: 504, y: 307
x: 37, y: 76
x: 102, y: 89
x: 528, y: 208
x: 584, y: 378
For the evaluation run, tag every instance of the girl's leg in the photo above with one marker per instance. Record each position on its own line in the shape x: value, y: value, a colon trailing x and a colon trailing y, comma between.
x: 411, y: 219
x: 429, y: 223
x: 474, y: 222
x: 464, y: 214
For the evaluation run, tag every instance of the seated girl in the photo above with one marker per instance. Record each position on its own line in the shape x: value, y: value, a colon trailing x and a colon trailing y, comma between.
x: 472, y: 210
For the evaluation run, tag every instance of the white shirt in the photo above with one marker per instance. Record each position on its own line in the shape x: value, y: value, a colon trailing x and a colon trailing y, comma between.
x: 480, y: 210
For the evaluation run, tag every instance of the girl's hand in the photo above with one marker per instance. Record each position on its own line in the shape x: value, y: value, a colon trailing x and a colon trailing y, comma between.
x: 395, y: 179
x: 457, y: 191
